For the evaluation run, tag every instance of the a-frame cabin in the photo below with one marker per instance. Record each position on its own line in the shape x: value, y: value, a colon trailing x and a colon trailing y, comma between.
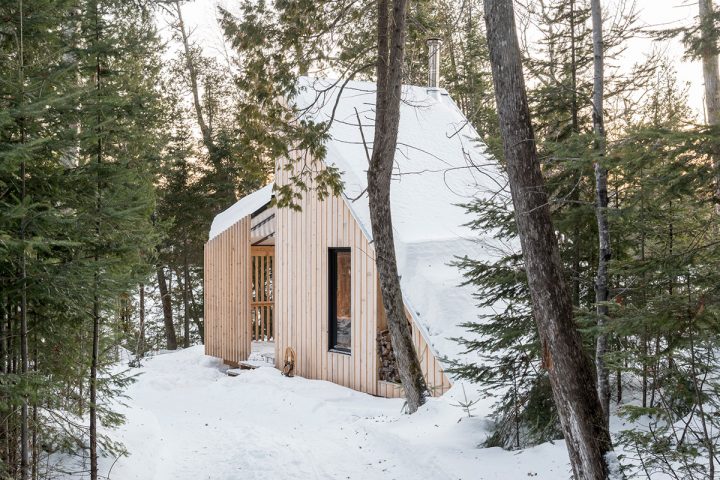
x: 307, y: 280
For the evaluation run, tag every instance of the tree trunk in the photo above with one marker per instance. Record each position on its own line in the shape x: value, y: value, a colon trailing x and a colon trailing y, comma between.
x: 192, y: 73
x: 575, y: 193
x: 35, y: 447
x: 140, y: 350
x: 196, y: 318
x: 186, y: 306
x: 711, y: 75
x: 24, y: 360
x: 96, y: 280
x: 390, y: 51
x: 570, y: 370
x: 4, y: 456
x: 601, y: 206
x: 93, y: 386
x: 170, y: 336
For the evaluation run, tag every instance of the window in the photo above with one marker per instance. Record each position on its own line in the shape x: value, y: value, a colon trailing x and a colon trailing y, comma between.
x: 339, y: 294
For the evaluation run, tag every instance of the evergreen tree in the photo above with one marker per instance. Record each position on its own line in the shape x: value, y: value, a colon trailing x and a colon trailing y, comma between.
x: 667, y: 311
x: 560, y: 72
x: 82, y: 121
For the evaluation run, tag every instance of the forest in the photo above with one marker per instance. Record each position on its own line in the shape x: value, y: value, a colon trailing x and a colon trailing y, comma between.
x: 125, y: 129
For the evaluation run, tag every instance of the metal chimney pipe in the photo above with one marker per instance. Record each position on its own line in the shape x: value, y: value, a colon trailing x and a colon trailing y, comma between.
x: 434, y: 45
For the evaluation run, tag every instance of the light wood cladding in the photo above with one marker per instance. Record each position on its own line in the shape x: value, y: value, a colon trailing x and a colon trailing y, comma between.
x: 227, y: 293
x: 301, y: 297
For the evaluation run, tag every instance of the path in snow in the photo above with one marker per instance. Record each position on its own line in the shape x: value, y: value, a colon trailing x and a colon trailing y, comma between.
x: 186, y: 419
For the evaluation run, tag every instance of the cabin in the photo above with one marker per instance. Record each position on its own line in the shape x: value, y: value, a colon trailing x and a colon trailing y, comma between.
x: 279, y: 279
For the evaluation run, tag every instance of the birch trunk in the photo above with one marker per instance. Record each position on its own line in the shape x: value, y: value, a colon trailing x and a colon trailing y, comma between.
x: 601, y: 206
x: 711, y: 75
x: 390, y: 51
x: 570, y: 370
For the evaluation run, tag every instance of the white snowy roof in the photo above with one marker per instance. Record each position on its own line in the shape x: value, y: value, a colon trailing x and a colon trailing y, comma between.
x: 247, y: 205
x: 440, y: 163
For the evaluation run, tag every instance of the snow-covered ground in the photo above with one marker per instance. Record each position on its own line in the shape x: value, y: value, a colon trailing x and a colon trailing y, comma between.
x: 186, y: 419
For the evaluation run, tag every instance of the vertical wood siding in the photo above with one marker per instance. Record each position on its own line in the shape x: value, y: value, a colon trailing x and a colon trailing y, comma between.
x: 302, y: 241
x: 227, y: 293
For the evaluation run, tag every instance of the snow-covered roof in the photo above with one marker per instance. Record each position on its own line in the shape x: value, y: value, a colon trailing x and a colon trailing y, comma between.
x: 440, y: 164
x: 247, y: 205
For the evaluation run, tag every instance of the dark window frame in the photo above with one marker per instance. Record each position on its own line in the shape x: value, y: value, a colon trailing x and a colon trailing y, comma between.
x: 332, y: 299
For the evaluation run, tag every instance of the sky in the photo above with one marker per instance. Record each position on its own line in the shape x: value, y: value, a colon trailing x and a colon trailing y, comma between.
x: 202, y: 15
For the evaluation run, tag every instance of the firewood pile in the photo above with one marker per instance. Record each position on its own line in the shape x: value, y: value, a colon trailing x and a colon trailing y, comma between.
x: 388, y: 365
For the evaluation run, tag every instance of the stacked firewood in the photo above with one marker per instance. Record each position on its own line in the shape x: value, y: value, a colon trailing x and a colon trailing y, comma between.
x: 388, y: 365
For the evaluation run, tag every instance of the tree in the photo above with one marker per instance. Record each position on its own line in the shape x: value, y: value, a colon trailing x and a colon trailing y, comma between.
x: 390, y: 51
x: 24, y: 361
x: 166, y: 299
x: 601, y: 205
x: 77, y: 131
x: 667, y: 310
x: 571, y: 373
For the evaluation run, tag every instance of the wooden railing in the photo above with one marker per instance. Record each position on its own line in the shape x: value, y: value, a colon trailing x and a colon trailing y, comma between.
x: 261, y: 294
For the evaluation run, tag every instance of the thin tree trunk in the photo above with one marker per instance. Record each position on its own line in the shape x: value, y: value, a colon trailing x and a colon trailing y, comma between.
x: 140, y: 350
x: 711, y: 75
x: 601, y: 206
x: 24, y: 360
x: 96, y: 281
x: 170, y: 336
x: 570, y: 370
x: 192, y: 73
x: 3, y: 398
x: 186, y: 306
x: 35, y: 446
x: 196, y: 318
x: 575, y: 193
x: 93, y: 384
x: 390, y: 52
x: 573, y: 71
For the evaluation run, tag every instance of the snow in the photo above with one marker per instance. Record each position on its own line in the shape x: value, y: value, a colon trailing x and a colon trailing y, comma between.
x: 440, y: 164
x: 247, y: 205
x: 186, y: 419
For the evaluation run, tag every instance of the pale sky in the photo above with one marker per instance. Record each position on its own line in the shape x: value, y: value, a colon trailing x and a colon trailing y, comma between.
x: 201, y: 14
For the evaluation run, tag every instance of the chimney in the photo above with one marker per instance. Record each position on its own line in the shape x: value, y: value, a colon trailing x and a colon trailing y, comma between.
x: 434, y: 45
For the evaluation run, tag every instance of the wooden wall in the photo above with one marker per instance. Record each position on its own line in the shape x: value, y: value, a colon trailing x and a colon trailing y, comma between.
x: 227, y: 294
x: 302, y: 240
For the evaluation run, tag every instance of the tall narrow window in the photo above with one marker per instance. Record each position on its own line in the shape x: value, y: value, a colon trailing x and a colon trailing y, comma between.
x: 339, y: 294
